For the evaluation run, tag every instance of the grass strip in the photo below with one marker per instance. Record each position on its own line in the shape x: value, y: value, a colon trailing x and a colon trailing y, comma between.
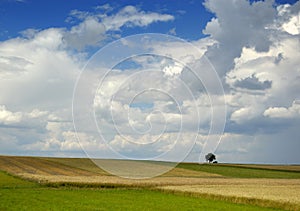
x: 240, y: 171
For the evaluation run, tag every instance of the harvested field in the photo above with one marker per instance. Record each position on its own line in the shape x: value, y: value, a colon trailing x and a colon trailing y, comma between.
x: 80, y: 163
x: 79, y: 167
x: 38, y: 166
x: 88, y: 165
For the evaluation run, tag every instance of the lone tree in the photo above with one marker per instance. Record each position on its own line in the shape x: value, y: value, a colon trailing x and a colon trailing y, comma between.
x: 210, y: 157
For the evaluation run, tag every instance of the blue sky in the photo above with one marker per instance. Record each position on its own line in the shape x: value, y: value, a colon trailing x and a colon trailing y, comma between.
x: 227, y: 81
x: 16, y: 16
x: 191, y: 17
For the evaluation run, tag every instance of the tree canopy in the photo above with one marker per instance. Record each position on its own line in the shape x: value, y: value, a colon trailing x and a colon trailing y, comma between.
x: 210, y: 157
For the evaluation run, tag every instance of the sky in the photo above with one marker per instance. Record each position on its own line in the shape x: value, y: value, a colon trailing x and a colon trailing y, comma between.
x: 151, y: 80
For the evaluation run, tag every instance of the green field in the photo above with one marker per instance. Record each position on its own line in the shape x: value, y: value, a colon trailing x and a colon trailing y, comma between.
x: 240, y: 171
x: 17, y: 194
x: 37, y: 183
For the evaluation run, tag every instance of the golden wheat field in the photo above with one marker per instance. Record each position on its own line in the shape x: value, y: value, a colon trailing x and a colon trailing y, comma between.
x: 271, y: 192
x: 268, y: 192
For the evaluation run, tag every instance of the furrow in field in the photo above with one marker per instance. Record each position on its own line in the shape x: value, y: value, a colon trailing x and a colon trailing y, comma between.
x: 17, y: 165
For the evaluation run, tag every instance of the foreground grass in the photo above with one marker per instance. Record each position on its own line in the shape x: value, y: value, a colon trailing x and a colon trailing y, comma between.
x: 11, y: 182
x: 16, y: 194
x: 240, y: 171
x: 108, y: 199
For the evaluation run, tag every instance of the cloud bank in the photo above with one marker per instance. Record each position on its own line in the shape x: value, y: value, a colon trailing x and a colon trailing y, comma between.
x: 254, y: 48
